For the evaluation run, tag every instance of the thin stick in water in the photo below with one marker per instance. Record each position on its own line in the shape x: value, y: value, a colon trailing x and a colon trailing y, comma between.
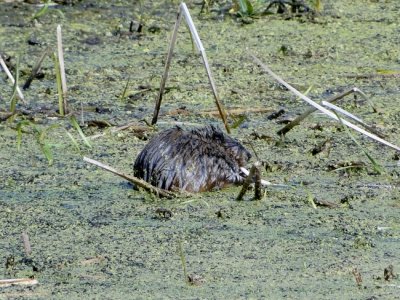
x: 62, y: 67
x: 9, y: 75
x: 17, y: 281
x: 137, y: 181
x: 351, y: 116
x: 26, y: 243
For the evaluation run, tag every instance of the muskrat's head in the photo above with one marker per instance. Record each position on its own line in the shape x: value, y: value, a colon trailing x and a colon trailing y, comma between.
x: 232, y: 146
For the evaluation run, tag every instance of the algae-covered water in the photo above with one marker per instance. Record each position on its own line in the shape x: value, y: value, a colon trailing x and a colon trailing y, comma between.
x: 93, y: 236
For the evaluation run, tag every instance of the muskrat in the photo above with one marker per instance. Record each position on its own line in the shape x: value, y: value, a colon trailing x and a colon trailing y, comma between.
x: 193, y: 160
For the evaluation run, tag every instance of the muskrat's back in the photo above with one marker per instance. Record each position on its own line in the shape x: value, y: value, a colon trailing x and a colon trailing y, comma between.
x: 194, y: 160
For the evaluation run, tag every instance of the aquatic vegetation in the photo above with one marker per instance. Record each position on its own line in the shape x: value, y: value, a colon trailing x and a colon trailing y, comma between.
x: 42, y: 11
x: 41, y: 136
x: 79, y: 130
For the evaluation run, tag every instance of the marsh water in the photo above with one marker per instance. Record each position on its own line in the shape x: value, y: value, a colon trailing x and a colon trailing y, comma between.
x: 94, y: 236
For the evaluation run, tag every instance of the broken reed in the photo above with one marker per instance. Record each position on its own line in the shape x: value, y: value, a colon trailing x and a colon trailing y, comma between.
x: 8, y: 73
x: 60, y: 74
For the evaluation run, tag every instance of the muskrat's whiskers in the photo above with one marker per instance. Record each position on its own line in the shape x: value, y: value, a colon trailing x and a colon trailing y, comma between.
x: 184, y: 12
x: 140, y: 183
x: 9, y: 75
x: 321, y: 108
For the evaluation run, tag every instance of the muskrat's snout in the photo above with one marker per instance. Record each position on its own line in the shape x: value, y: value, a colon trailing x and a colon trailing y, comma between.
x: 241, y: 154
x: 195, y: 160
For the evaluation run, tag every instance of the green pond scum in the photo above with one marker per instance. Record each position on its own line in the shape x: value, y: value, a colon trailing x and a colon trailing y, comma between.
x: 331, y: 232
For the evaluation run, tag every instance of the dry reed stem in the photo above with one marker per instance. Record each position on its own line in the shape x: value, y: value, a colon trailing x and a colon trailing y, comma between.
x: 62, y: 67
x: 137, y: 181
x: 120, y: 128
x: 17, y: 281
x: 9, y: 75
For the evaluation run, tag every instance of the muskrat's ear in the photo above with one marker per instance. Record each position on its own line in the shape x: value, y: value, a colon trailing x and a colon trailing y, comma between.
x: 218, y: 136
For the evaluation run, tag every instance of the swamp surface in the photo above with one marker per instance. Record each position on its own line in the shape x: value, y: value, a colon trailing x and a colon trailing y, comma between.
x: 93, y: 235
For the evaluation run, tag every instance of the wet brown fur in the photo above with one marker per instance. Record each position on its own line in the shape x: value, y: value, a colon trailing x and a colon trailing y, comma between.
x: 194, y: 160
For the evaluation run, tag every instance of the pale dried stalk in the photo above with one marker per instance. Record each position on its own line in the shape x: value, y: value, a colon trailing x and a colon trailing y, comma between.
x: 17, y: 281
x: 116, y: 129
x: 137, y: 181
x: 62, y: 66
x: 9, y: 75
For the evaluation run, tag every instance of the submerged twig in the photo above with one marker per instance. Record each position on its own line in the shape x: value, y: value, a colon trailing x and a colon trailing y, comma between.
x: 26, y: 243
x: 137, y: 181
x: 9, y: 75
x: 183, y: 11
x: 123, y: 127
x: 321, y: 108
